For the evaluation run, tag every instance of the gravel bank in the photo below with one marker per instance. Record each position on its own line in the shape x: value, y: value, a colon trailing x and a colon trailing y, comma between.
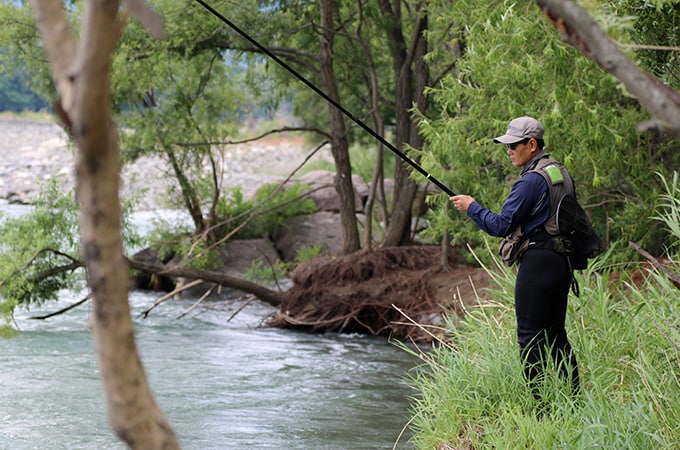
x: 35, y: 151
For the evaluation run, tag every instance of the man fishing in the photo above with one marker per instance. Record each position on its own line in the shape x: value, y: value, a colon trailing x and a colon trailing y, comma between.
x: 545, y: 274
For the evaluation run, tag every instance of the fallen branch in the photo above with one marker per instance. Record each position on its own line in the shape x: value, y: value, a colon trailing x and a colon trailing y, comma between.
x: 197, y: 302
x: 261, y: 292
x: 168, y: 296
x: 63, y: 310
x: 672, y: 276
x: 246, y: 303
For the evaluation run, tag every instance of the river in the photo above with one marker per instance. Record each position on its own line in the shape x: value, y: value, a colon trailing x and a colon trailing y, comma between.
x: 224, y: 381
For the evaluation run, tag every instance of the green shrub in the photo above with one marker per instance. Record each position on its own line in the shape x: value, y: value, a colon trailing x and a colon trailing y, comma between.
x: 40, y: 250
x: 307, y: 253
x: 265, y: 214
x: 266, y: 273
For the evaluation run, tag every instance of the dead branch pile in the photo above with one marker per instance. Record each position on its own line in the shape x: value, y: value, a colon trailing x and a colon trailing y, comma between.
x: 358, y: 293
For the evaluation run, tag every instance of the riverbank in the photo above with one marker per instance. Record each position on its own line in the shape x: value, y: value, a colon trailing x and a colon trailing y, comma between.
x: 39, y: 151
x: 35, y: 151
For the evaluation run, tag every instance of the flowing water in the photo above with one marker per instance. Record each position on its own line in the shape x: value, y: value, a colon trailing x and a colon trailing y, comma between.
x: 224, y: 381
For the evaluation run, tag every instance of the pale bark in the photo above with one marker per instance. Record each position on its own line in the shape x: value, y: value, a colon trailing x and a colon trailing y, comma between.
x: 578, y: 29
x: 81, y: 71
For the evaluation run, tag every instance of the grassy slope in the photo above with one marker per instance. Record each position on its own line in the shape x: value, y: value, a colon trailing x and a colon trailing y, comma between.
x: 471, y: 393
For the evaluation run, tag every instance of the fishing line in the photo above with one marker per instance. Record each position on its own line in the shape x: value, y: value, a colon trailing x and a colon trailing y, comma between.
x: 325, y: 96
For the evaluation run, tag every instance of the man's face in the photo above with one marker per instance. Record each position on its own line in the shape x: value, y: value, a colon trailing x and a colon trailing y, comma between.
x: 521, y: 152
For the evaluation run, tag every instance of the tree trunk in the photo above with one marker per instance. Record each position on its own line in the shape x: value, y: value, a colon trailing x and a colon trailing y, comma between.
x: 82, y: 75
x: 339, y: 145
x: 405, y: 56
x: 189, y: 196
x: 265, y: 294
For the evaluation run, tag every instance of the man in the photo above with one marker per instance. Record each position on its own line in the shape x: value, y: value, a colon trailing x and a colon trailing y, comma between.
x: 544, y: 274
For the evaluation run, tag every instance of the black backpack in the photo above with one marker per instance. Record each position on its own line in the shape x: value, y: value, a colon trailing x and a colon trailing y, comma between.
x: 567, y: 219
x: 574, y: 224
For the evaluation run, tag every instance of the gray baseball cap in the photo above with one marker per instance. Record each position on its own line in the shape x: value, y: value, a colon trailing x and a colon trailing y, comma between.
x: 519, y: 129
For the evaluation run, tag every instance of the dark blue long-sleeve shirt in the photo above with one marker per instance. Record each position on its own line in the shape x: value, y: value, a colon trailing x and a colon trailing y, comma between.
x: 527, y: 205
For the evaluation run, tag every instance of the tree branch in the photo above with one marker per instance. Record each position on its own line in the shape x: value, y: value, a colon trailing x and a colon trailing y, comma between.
x: 266, y: 295
x: 578, y: 29
x: 75, y: 264
x: 255, y: 138
x: 673, y: 277
x: 63, y: 310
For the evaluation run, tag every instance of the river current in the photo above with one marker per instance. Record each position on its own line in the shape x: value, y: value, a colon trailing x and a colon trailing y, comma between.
x: 224, y: 381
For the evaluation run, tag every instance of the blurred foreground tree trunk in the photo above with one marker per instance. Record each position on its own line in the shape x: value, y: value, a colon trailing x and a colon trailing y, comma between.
x: 81, y: 71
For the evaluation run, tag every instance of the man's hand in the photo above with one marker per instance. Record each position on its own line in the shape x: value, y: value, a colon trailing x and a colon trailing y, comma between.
x: 462, y: 202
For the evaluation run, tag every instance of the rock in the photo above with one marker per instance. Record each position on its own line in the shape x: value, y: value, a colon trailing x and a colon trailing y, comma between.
x: 322, y: 228
x: 326, y: 198
x: 34, y: 150
x: 239, y: 256
x: 146, y: 281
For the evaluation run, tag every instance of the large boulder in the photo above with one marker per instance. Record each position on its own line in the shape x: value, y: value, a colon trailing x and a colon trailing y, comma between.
x: 322, y: 228
x: 326, y: 198
x: 239, y: 256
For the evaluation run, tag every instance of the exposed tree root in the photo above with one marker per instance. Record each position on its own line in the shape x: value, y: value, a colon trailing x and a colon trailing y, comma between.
x: 365, y: 292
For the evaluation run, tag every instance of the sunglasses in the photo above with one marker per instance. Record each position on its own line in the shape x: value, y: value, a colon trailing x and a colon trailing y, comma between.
x: 515, y: 144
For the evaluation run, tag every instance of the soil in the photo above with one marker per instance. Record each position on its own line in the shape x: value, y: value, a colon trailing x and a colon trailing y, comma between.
x: 402, y: 292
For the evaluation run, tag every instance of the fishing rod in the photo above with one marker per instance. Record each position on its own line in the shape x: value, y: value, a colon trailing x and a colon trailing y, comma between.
x: 325, y: 96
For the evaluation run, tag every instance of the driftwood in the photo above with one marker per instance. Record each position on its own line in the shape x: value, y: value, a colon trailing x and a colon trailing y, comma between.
x: 365, y: 292
x: 267, y: 295
x: 176, y: 291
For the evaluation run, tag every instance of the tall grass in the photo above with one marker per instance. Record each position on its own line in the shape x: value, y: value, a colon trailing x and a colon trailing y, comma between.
x: 625, y: 330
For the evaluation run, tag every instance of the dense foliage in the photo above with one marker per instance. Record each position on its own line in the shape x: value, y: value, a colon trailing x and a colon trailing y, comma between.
x: 15, y: 94
x: 471, y: 389
x: 187, y: 97
x: 515, y: 64
x: 41, y: 251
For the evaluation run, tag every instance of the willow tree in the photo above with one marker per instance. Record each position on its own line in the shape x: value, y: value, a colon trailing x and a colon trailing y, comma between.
x: 515, y: 63
x: 367, y: 56
x: 185, y: 102
x: 81, y: 69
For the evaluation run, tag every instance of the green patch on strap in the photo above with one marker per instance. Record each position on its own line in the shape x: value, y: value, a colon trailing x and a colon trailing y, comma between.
x: 555, y: 174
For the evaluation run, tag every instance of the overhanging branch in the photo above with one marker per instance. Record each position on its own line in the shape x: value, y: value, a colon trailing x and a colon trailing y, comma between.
x: 580, y: 30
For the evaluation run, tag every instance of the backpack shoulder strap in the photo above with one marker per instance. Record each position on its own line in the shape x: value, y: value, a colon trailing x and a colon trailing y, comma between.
x: 559, y: 183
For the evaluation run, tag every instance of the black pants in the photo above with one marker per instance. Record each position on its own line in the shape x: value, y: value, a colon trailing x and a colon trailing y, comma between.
x: 541, y: 295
